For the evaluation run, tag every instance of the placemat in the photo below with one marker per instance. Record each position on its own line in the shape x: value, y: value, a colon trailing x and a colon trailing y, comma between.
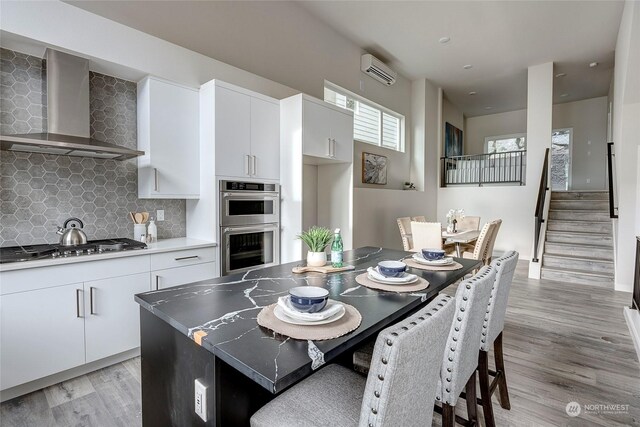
x: 414, y: 264
x: 349, y: 322
x: 420, y: 285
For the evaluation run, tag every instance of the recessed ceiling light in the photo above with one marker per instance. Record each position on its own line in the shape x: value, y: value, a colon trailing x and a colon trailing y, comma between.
x: 468, y: 66
x: 488, y: 108
x: 564, y: 95
x: 593, y: 65
x: 444, y: 40
x: 473, y: 92
x: 561, y: 74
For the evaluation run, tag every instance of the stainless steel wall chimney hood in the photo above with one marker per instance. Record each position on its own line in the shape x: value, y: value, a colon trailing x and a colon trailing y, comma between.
x: 67, y: 115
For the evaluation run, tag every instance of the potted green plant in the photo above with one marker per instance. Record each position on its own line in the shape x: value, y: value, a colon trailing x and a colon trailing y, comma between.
x: 317, y: 239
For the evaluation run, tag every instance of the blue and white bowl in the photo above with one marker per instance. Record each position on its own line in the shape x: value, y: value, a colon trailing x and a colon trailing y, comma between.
x: 392, y: 268
x: 433, y: 254
x: 308, y: 299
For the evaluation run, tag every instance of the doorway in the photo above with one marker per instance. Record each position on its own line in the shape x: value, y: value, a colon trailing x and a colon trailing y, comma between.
x: 561, y: 159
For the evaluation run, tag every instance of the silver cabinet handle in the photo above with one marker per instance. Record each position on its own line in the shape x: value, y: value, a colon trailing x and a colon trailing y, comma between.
x: 186, y: 257
x: 254, y: 163
x: 157, y: 282
x: 78, y: 292
x: 247, y: 165
x: 91, y: 299
x: 156, y: 184
x: 333, y: 148
x: 329, y: 154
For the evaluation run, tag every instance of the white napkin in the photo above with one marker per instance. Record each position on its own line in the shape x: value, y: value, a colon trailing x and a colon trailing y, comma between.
x: 408, y: 278
x: 332, y: 308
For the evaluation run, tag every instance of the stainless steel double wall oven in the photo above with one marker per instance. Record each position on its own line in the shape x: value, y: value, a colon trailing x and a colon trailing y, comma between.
x: 249, y: 225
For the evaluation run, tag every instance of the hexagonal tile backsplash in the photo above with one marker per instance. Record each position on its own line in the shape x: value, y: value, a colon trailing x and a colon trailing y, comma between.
x: 40, y: 191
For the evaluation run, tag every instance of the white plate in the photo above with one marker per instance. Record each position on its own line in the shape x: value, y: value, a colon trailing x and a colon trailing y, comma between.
x: 279, y: 313
x: 440, y: 262
x: 385, y: 282
x: 381, y: 278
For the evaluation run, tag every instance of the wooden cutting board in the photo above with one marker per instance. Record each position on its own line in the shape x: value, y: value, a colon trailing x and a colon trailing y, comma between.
x: 325, y: 269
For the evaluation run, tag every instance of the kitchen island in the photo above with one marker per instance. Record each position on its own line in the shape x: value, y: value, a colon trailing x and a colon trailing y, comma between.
x: 208, y: 331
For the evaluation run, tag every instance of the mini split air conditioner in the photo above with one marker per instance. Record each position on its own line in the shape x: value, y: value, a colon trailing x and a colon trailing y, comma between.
x: 377, y: 69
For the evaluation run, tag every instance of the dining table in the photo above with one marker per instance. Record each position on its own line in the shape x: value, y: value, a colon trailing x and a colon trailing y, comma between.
x: 208, y: 332
x: 460, y: 237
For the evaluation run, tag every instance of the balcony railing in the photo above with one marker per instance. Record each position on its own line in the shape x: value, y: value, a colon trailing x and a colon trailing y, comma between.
x: 480, y: 169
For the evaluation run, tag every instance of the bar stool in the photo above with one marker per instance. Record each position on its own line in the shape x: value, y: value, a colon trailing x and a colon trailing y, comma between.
x: 492, y: 327
x: 404, y: 374
x: 460, y: 360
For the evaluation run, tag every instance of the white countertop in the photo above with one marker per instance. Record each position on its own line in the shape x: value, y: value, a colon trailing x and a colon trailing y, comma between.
x: 165, y: 245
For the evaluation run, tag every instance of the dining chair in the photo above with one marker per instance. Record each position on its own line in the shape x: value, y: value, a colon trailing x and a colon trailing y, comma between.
x: 492, y: 240
x: 404, y: 224
x: 468, y: 223
x: 480, y: 250
x: 492, y: 328
x: 426, y: 235
x: 460, y: 360
x: 404, y: 375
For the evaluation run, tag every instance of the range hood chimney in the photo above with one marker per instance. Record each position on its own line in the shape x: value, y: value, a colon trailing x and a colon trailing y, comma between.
x: 67, y: 115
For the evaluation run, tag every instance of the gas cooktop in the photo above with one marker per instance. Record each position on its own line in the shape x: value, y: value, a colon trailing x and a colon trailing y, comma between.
x: 46, y: 251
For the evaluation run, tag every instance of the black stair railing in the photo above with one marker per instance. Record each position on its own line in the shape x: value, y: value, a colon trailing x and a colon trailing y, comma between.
x: 610, y: 157
x: 542, y: 196
x: 482, y: 169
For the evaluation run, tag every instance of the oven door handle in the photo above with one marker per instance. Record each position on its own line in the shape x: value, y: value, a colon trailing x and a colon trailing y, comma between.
x: 245, y: 195
x: 249, y: 229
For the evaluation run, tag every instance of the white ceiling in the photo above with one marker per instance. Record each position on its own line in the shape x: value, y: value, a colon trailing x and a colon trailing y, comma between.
x: 500, y: 39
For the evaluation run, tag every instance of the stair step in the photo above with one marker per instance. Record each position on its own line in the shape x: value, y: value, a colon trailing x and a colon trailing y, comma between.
x: 580, y: 195
x: 594, y: 251
x: 568, y: 262
x: 582, y: 215
x: 578, y: 277
x: 587, y: 205
x: 579, y: 225
x: 574, y: 237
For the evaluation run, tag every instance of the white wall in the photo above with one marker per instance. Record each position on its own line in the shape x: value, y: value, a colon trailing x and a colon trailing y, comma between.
x: 626, y: 128
x: 398, y: 164
x: 477, y: 128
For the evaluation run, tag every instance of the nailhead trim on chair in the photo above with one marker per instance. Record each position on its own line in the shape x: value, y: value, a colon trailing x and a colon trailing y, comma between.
x: 454, y: 339
x: 386, y: 355
x: 485, y: 325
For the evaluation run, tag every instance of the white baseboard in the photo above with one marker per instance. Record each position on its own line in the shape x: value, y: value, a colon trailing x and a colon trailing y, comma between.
x: 633, y: 321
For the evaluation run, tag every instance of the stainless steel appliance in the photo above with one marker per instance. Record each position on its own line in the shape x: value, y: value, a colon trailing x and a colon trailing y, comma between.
x: 72, y: 236
x: 46, y: 251
x: 250, y: 225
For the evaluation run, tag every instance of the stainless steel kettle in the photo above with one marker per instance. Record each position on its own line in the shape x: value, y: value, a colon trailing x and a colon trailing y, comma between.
x: 72, y: 236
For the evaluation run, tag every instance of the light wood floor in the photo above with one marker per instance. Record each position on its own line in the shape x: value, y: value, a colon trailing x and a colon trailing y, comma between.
x: 562, y: 343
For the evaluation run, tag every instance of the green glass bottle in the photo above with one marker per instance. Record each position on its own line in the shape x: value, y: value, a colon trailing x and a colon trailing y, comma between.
x: 336, y: 250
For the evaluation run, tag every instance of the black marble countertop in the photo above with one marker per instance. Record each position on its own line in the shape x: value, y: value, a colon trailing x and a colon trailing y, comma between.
x: 226, y: 309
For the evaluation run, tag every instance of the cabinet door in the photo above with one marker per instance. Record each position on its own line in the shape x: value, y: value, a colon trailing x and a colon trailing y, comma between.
x: 265, y: 139
x: 42, y: 333
x: 174, y: 141
x: 112, y: 320
x: 161, y: 279
x: 233, y: 133
x: 342, y: 134
x: 316, y: 129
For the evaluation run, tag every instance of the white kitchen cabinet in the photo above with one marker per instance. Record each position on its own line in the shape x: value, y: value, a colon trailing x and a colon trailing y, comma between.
x: 161, y: 279
x: 42, y: 333
x: 327, y: 130
x: 112, y: 317
x: 168, y: 133
x: 244, y: 128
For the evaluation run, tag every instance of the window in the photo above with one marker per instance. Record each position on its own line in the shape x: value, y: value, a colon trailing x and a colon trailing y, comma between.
x: 505, y: 143
x: 372, y: 123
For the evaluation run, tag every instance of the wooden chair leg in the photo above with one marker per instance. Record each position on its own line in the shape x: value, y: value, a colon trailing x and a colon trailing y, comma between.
x: 502, y: 382
x: 448, y: 415
x: 485, y: 389
x: 472, y: 406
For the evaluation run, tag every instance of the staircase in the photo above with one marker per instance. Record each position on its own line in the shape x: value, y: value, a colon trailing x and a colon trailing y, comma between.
x: 579, y: 241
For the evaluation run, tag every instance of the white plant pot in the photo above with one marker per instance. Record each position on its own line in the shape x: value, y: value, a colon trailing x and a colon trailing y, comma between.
x: 316, y: 259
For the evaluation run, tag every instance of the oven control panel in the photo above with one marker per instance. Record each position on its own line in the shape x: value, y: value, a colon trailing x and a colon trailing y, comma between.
x: 247, y: 186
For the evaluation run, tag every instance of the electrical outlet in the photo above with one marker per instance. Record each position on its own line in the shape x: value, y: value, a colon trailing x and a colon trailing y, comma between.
x: 588, y: 180
x: 160, y: 215
x: 201, y: 399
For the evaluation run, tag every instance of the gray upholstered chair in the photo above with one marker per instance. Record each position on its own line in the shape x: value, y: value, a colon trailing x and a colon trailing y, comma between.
x: 505, y: 267
x: 403, y: 377
x: 460, y: 359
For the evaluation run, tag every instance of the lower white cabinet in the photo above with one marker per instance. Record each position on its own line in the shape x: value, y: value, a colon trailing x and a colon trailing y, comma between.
x: 112, y: 317
x: 161, y: 279
x: 42, y: 332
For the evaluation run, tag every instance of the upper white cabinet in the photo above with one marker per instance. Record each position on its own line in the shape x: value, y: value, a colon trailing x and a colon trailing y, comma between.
x: 327, y: 130
x: 168, y: 133
x: 245, y: 130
